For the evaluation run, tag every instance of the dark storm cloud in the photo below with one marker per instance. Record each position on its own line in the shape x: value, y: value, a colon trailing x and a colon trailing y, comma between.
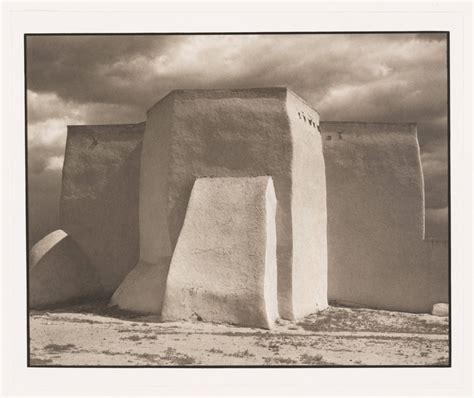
x: 432, y: 36
x: 137, y: 70
x: 114, y: 79
x: 90, y: 68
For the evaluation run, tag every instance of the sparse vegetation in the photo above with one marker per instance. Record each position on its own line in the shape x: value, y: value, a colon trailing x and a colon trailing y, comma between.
x: 337, y: 336
x: 442, y: 361
x: 147, y: 357
x: 307, y: 359
x: 57, y: 348
x: 215, y: 351
x: 136, y: 337
x: 133, y: 337
x: 279, y: 361
x: 40, y: 361
x: 360, y: 319
x: 274, y: 347
x: 241, y: 354
x: 176, y: 358
x: 108, y: 352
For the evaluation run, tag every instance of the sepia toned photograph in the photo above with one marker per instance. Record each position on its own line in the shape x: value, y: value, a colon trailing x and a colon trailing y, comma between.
x: 238, y: 199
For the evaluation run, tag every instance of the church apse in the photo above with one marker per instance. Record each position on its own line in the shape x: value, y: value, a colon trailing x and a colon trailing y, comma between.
x: 349, y: 203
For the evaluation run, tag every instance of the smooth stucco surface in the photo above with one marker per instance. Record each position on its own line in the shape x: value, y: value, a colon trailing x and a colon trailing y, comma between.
x: 59, y: 272
x: 143, y: 288
x: 375, y: 201
x: 99, y: 197
x: 235, y: 133
x: 224, y: 265
x: 308, y: 209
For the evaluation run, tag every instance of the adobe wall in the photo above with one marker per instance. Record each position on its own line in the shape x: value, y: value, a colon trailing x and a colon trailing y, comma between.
x: 377, y: 256
x: 99, y: 197
x: 309, y: 214
x: 230, y: 133
x: 143, y: 288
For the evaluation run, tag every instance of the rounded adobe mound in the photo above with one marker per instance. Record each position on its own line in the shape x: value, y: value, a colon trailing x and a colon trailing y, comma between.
x: 59, y: 272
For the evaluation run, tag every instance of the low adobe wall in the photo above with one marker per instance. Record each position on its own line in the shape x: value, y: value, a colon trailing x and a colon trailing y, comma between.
x: 99, y: 197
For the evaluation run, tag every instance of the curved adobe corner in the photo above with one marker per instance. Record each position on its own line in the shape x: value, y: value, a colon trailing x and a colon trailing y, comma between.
x: 59, y: 272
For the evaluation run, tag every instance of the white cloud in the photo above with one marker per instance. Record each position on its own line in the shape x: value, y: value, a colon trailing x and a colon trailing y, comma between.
x: 49, y: 116
x: 51, y: 132
x: 55, y: 163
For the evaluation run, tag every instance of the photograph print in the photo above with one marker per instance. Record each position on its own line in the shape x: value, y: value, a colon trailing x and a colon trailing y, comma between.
x: 249, y: 200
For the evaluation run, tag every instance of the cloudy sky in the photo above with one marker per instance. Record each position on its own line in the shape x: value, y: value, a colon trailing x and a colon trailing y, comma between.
x: 114, y: 79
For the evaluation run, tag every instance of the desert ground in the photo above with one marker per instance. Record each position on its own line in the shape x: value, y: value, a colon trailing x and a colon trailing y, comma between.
x: 95, y: 334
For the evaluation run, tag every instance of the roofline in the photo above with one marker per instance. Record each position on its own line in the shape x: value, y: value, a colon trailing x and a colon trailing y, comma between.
x: 410, y: 126
x: 289, y: 90
x: 282, y: 88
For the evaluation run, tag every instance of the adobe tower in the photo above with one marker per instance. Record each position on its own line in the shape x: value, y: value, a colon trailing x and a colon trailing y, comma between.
x: 233, y: 133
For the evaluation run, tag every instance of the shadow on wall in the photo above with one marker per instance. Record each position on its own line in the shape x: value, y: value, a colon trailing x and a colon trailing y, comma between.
x: 99, y: 201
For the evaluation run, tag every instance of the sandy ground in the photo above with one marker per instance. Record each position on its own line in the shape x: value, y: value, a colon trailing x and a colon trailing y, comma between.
x: 95, y: 334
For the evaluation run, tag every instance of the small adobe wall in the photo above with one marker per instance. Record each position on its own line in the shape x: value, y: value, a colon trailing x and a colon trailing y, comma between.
x: 99, y: 197
x: 375, y: 193
x: 224, y: 266
x: 233, y: 133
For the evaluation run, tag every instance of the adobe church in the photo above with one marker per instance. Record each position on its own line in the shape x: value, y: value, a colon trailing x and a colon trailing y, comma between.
x: 241, y: 206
